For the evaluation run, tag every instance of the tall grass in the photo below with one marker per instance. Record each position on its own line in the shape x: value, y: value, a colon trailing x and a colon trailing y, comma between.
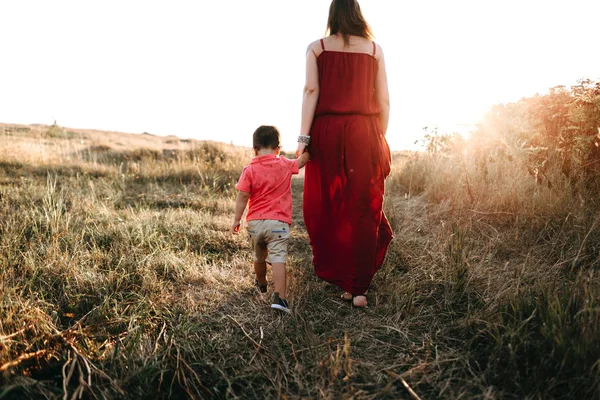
x: 119, y: 279
x: 522, y: 256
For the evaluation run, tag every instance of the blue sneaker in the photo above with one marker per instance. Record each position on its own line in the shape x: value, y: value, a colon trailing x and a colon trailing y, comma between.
x: 280, y: 304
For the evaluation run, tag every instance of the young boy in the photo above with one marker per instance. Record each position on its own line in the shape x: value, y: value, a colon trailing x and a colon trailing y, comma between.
x: 266, y: 183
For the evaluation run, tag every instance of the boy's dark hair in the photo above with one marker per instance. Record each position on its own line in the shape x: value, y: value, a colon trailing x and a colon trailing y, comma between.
x: 266, y: 136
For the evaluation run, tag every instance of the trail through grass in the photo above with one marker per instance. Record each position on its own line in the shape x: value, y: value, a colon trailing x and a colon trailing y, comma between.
x: 119, y: 279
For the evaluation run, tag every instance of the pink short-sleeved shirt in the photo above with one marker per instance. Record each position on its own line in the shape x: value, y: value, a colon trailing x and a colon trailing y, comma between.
x: 268, y: 179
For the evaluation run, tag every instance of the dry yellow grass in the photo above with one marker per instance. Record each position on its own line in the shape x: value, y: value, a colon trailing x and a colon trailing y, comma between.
x: 119, y: 279
x: 47, y: 144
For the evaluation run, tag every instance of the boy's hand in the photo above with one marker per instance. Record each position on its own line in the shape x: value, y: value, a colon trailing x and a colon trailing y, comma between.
x: 240, y: 206
x: 235, y: 227
x: 301, y: 149
x: 303, y: 159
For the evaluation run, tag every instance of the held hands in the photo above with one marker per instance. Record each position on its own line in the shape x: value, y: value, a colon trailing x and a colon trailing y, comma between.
x: 235, y: 227
x: 301, y: 149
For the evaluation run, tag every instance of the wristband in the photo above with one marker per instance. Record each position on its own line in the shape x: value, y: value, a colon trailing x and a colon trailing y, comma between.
x: 304, y: 139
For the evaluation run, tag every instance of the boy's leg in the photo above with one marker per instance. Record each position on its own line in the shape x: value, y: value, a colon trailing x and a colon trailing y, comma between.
x: 279, y: 279
x: 277, y: 240
x: 261, y: 272
x: 259, y: 248
x: 260, y: 268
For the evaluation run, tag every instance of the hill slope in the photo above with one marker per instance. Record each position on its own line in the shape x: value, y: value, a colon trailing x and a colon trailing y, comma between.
x: 120, y: 279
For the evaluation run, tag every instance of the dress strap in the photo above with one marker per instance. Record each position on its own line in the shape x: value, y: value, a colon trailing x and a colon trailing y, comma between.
x: 374, y: 49
x: 322, y: 44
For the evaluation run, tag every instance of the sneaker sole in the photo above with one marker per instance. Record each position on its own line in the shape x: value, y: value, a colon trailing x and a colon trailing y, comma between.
x: 280, y: 308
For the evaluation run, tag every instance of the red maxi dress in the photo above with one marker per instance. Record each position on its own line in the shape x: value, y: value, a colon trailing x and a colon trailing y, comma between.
x: 344, y: 180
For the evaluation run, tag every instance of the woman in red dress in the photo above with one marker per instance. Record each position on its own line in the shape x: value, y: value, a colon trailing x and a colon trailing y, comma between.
x: 345, y: 114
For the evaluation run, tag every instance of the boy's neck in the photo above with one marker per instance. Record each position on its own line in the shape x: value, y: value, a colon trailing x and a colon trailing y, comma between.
x: 264, y: 152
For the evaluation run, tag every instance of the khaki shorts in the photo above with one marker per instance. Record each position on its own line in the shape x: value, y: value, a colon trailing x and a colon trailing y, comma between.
x: 269, y: 239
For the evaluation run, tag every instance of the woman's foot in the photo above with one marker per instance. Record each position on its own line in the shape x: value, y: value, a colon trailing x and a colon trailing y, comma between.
x: 347, y: 296
x: 359, y: 300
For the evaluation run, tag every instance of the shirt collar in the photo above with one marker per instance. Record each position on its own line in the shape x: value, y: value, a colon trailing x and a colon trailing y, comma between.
x: 263, y: 158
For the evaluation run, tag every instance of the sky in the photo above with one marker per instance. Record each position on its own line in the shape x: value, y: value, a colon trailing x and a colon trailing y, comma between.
x: 216, y: 70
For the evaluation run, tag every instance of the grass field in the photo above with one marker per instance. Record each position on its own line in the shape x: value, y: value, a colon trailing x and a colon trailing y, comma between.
x: 119, y: 279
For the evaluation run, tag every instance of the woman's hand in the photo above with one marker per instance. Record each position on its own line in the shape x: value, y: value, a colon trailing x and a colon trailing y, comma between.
x: 301, y: 149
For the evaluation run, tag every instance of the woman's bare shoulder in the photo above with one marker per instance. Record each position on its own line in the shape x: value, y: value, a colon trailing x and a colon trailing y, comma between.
x: 315, y: 47
x: 378, y: 52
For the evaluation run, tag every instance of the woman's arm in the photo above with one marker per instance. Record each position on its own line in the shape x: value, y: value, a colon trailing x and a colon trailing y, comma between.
x: 311, y: 94
x: 382, y: 93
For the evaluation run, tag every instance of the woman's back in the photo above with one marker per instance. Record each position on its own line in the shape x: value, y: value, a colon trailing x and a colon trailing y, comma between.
x: 347, y: 76
x: 345, y: 112
x: 356, y: 44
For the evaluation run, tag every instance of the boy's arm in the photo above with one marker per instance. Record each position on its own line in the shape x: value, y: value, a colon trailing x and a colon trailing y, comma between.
x: 240, y: 206
x: 303, y: 159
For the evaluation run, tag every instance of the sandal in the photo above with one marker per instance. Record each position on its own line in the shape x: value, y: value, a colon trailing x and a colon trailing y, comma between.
x: 347, y: 296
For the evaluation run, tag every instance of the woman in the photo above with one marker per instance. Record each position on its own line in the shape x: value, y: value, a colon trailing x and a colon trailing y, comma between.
x: 345, y: 114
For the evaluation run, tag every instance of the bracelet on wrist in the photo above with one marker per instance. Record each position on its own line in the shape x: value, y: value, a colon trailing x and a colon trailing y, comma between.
x: 304, y: 139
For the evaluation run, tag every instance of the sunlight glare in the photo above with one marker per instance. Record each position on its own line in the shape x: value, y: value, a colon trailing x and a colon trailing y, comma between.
x: 144, y: 66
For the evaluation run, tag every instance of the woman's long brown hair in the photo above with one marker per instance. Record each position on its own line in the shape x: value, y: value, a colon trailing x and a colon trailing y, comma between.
x: 345, y: 17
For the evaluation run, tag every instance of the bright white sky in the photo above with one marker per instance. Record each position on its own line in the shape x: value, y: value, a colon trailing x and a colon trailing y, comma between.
x: 218, y: 69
